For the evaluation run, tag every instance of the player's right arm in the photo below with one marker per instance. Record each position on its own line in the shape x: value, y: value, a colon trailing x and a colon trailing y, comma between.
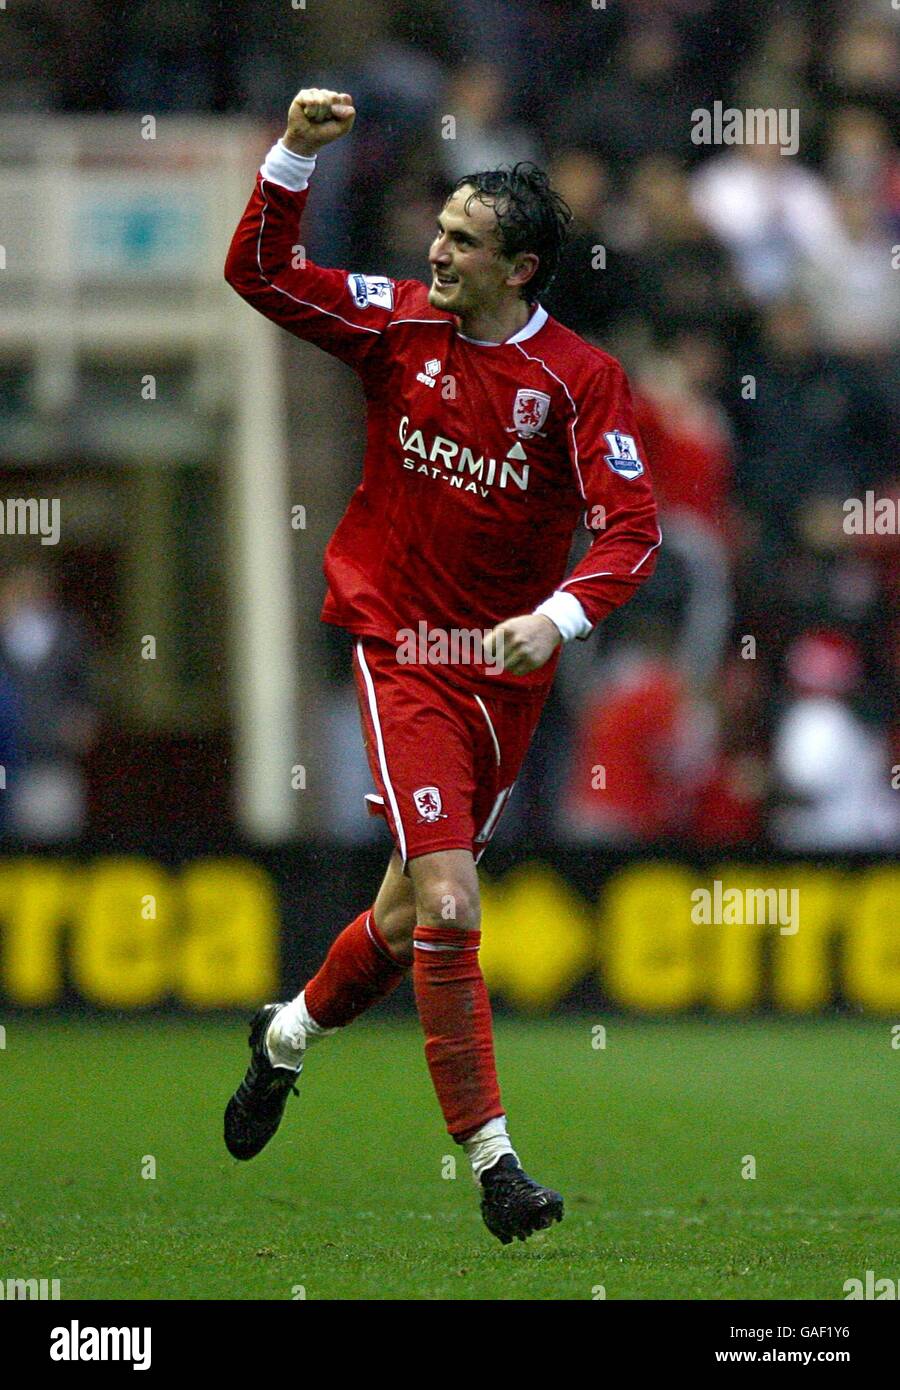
x: 267, y: 264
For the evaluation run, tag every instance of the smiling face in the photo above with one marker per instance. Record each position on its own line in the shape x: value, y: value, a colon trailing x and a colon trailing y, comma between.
x: 470, y: 275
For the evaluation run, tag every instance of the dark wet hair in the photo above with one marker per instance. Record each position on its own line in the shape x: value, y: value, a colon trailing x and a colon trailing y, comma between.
x: 531, y: 216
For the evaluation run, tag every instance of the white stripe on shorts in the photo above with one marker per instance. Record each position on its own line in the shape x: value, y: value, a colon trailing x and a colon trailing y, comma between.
x: 491, y: 727
x: 487, y: 829
x: 379, y: 743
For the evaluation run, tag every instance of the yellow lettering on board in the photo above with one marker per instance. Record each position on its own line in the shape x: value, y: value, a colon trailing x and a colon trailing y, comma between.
x: 537, y: 937
x: 871, y: 943
x: 229, y: 953
x: 649, y: 943
x: 120, y: 958
x: 34, y: 898
x: 802, y: 969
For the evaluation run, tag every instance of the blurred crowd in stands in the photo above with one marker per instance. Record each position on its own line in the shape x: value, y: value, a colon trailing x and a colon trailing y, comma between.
x: 749, y: 691
x: 48, y: 713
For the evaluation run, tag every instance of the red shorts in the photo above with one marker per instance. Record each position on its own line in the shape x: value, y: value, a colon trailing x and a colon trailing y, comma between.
x: 444, y: 759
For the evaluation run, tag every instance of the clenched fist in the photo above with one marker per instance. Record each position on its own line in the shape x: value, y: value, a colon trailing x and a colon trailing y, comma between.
x: 317, y: 117
x: 524, y: 644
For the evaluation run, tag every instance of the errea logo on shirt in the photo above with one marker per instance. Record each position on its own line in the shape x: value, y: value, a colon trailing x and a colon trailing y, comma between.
x: 371, y: 289
x: 431, y: 370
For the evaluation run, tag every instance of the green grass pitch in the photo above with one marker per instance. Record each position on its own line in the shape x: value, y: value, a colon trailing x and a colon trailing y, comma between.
x: 646, y: 1140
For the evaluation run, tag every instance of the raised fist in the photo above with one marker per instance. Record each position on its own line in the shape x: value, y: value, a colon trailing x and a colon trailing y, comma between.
x: 316, y: 117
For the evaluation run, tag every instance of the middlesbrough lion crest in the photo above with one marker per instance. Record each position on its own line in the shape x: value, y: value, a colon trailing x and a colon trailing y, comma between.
x: 530, y: 411
x: 428, y: 804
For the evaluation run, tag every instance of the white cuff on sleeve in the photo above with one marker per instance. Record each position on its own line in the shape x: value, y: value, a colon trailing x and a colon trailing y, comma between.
x: 290, y: 170
x: 563, y: 609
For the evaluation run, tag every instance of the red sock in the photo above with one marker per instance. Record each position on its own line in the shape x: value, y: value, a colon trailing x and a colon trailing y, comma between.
x: 357, y: 972
x: 455, y: 1013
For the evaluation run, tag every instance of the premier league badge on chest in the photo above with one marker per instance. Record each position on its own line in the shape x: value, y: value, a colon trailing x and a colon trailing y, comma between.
x: 623, y: 456
x: 529, y: 412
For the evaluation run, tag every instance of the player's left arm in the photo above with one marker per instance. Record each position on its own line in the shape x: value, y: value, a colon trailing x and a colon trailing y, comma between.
x: 611, y: 473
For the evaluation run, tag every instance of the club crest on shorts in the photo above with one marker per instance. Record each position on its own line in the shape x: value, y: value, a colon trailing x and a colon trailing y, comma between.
x: 428, y: 804
x: 623, y: 455
x: 529, y: 411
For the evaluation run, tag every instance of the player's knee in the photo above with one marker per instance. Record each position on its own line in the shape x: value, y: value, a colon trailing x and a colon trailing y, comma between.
x: 448, y: 902
x: 396, y: 925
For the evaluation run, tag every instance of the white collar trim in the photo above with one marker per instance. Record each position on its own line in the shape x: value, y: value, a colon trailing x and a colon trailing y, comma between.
x: 534, y: 325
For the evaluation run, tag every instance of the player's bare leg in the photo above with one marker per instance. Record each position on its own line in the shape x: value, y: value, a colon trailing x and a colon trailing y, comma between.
x: 366, y: 962
x: 395, y: 911
x: 455, y: 1013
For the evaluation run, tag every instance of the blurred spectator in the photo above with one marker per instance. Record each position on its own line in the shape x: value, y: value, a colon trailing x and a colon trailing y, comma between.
x: 865, y: 62
x: 815, y: 426
x: 687, y: 434
x: 481, y: 135
x: 689, y: 444
x: 169, y: 62
x: 10, y: 746
x: 642, y: 104
x: 44, y: 660
x: 730, y: 800
x: 26, y: 83
x: 831, y: 768
x: 546, y: 46
x: 683, y: 278
x: 642, y: 744
x: 409, y: 229
x: 596, y: 283
x: 850, y: 285
x: 768, y: 210
x: 778, y: 75
x: 861, y: 160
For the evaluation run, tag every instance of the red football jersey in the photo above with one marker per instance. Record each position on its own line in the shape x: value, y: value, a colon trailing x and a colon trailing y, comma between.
x: 480, y: 457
